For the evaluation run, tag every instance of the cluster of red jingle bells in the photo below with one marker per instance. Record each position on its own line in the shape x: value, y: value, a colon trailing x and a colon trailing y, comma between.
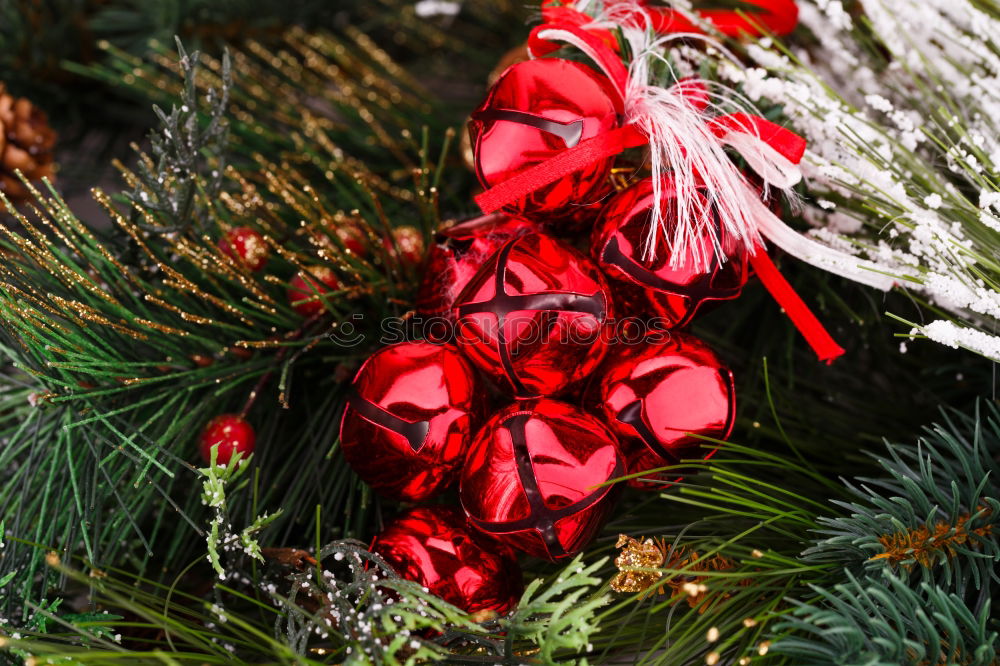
x: 539, y: 395
x: 535, y: 402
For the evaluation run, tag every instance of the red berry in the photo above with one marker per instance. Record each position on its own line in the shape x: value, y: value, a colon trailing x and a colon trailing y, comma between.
x: 407, y: 243
x: 231, y: 433
x: 307, y: 286
x: 353, y: 238
x: 245, y: 246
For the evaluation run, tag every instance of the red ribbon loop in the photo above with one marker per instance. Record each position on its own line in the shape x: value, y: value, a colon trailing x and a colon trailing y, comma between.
x: 777, y: 17
x: 787, y: 143
x: 555, y: 14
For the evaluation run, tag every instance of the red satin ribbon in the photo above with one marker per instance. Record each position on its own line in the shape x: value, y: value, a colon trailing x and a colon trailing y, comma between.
x: 788, y: 144
x: 615, y: 142
x: 568, y: 161
x: 777, y: 17
x: 826, y: 348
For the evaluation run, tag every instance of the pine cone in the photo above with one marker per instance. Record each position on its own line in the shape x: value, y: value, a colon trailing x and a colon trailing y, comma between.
x: 26, y: 142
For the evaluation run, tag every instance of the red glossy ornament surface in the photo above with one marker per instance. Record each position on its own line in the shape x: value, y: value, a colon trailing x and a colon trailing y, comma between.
x: 410, y: 419
x: 231, y: 433
x: 434, y: 547
x: 457, y: 254
x: 534, y: 317
x: 246, y: 246
x: 305, y: 290
x: 675, y: 294
x: 534, y: 111
x: 654, y: 393
x: 530, y: 477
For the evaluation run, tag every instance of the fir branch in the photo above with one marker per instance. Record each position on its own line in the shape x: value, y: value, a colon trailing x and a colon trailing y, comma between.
x: 921, y: 557
x: 933, y: 514
x: 883, y: 620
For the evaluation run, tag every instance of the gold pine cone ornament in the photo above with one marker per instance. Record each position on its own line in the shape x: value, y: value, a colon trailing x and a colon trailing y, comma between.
x: 26, y: 142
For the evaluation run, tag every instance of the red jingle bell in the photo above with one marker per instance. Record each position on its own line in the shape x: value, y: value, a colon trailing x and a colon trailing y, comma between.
x: 534, y: 317
x: 457, y: 253
x: 534, y: 111
x: 655, y: 394
x: 410, y: 418
x: 231, y: 433
x: 533, y: 478
x: 654, y: 286
x: 306, y: 289
x: 247, y: 246
x: 434, y: 547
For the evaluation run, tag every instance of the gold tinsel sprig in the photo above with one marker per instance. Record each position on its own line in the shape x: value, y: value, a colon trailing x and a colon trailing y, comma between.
x: 640, y: 558
x: 637, y: 554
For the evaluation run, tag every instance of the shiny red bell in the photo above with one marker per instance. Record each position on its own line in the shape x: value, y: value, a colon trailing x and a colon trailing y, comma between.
x: 654, y: 286
x: 434, y: 547
x: 534, y: 317
x: 533, y: 478
x: 410, y: 417
x: 457, y: 253
x: 655, y: 394
x: 536, y: 110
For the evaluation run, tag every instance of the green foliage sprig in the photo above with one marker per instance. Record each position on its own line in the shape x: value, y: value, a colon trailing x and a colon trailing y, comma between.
x: 933, y: 514
x: 921, y: 557
x: 888, y: 621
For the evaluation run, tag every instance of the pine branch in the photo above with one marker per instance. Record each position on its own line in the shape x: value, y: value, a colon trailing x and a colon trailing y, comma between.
x: 935, y: 513
x: 135, y: 338
x: 884, y: 620
x: 903, y: 149
x: 921, y: 557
